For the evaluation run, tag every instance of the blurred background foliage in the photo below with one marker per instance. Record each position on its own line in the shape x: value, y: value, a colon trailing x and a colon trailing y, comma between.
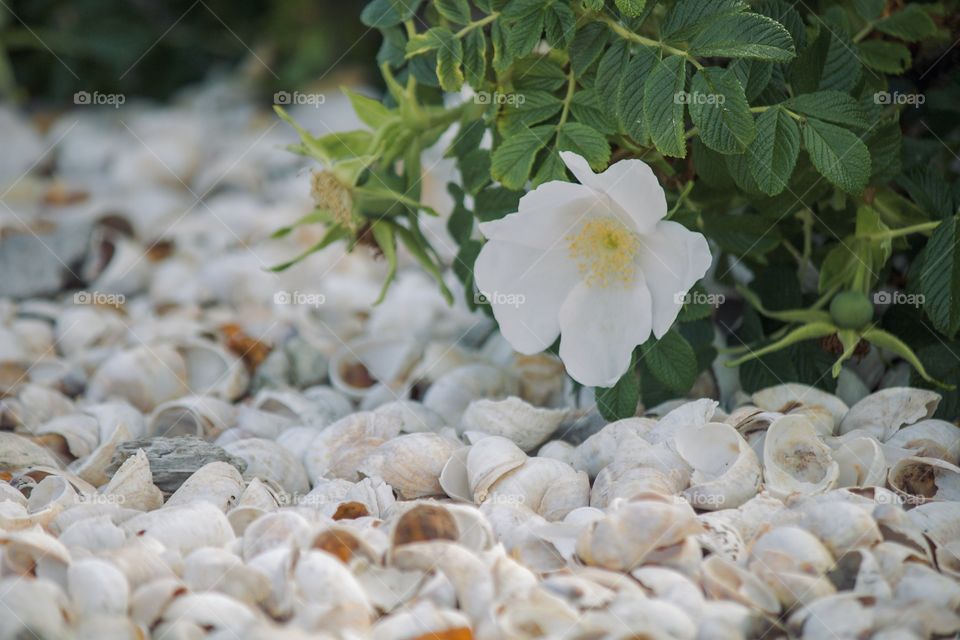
x: 177, y: 42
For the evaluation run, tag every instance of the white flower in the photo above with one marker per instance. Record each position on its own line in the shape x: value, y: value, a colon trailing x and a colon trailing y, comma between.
x: 594, y: 263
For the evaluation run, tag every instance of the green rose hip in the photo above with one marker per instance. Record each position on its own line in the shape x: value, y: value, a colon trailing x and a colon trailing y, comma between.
x: 851, y: 310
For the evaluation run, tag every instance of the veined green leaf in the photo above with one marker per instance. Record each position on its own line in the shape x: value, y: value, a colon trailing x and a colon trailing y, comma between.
x: 911, y: 23
x: 672, y: 361
x: 720, y: 110
x: 513, y: 160
x: 894, y: 344
x: 838, y: 155
x: 475, y: 58
x: 456, y: 11
x: 886, y: 57
x: 829, y: 63
x: 314, y: 217
x: 587, y: 46
x: 385, y: 239
x: 525, y: 33
x: 663, y: 108
x: 773, y: 153
x: 371, y: 111
x: 830, y: 106
x: 387, y: 13
x: 552, y: 168
x: 631, y: 8
x: 687, y: 17
x: 585, y: 141
x: 940, y: 277
x: 560, y: 24
x: 633, y: 80
x: 744, y: 35
x: 620, y: 401
x: 333, y: 234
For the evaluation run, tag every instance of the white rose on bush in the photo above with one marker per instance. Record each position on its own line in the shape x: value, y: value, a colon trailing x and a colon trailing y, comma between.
x: 596, y: 264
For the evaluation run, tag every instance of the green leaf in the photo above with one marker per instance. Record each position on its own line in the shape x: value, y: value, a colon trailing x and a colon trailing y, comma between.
x: 804, y: 316
x: 672, y: 361
x: 525, y: 33
x: 894, y: 344
x: 587, y: 46
x: 609, y: 82
x: 475, y: 169
x: 371, y: 112
x: 662, y: 112
x: 456, y: 11
x: 828, y: 63
x: 333, y: 234
x: 743, y: 234
x: 587, y: 108
x: 495, y: 202
x: 620, y: 401
x: 560, y: 24
x: 467, y: 139
x: 387, y: 13
x: 838, y: 155
x: 536, y: 107
x: 687, y: 17
x: 513, y: 160
x: 719, y: 108
x: 774, y: 151
x: 869, y: 9
x: 384, y: 237
x: 415, y: 245
x: 538, y: 72
x: 430, y: 40
x: 786, y: 14
x: 633, y: 81
x: 931, y: 192
x: 754, y: 75
x: 886, y: 57
x: 631, y: 8
x: 744, y: 35
x: 940, y: 278
x: 911, y: 23
x: 314, y: 217
x: 585, y: 141
x: 475, y: 58
x: 830, y: 106
x: 552, y: 168
x: 885, y: 145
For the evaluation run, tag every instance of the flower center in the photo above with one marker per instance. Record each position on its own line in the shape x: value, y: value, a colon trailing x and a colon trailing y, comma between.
x: 604, y: 250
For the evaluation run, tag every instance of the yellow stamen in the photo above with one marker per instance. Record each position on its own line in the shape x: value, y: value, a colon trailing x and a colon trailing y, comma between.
x: 330, y: 194
x: 604, y: 250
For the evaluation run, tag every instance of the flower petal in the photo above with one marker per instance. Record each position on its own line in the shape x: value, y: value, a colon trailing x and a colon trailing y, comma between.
x: 672, y: 259
x: 526, y: 289
x: 600, y: 326
x: 630, y: 185
x: 547, y: 214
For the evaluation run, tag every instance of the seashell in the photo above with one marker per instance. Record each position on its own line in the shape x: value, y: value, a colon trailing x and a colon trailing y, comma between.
x: 631, y: 616
x: 882, y: 413
x: 36, y: 405
x: 785, y: 398
x: 410, y: 463
x: 841, y: 526
x: 617, y: 438
x: 549, y: 487
x: 921, y: 584
x: 625, y: 536
x: 97, y: 534
x: 110, y: 414
x: 843, y: 615
x: 217, y: 483
x: 143, y: 560
x: 858, y: 571
x: 336, y: 450
x: 722, y: 579
x: 27, y: 550
x: 512, y: 418
x: 795, y: 460
x: 483, y: 464
x: 557, y: 450
x: 209, y: 611
x: 184, y: 527
x: 726, y: 471
x: 357, y: 366
x: 671, y: 586
x: 930, y: 439
x: 203, y: 416
x: 697, y: 412
x: 625, y: 479
x: 108, y: 626
x: 537, y: 609
x: 422, y: 619
x: 323, y: 407
x: 133, y: 486
x: 450, y: 395
x: 720, y: 536
x: 145, y: 376
x: 321, y: 579
x: 790, y: 549
x: 271, y: 531
x: 212, y: 370
x: 18, y: 452
x: 210, y: 569
x: 80, y: 431
x: 42, y: 609
x: 50, y: 497
x: 921, y: 479
x: 97, y: 587
x: 270, y: 461
x: 861, y: 462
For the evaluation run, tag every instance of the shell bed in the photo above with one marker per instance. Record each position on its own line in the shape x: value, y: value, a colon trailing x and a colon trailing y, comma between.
x: 194, y: 447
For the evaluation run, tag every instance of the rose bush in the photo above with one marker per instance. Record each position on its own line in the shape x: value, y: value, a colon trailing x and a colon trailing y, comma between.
x: 599, y: 141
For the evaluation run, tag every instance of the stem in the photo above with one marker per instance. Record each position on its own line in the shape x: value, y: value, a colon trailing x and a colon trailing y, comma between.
x: 863, y: 33
x: 627, y: 34
x: 567, y: 99
x: 905, y: 231
x: 478, y: 24
x: 795, y: 116
x: 683, y: 196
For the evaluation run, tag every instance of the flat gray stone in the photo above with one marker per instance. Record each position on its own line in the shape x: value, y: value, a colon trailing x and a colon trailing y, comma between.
x: 173, y: 460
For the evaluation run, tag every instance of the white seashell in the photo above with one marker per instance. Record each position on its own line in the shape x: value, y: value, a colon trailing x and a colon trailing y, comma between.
x: 921, y: 584
x: 270, y: 461
x: 450, y: 395
x: 697, y: 412
x: 884, y: 412
x: 858, y: 571
x: 108, y: 626
x: 322, y: 579
x: 210, y: 611
x: 930, y: 439
x: 210, y: 569
x: 50, y: 497
x: 861, y: 462
x: 410, y: 463
x: 629, y: 533
x: 41, y: 608
x: 842, y: 526
x: 722, y: 579
x: 18, y: 452
x: 217, y: 483
x: 356, y: 366
x: 412, y: 415
x: 203, y: 416
x: 720, y: 536
x: 132, y: 484
x: 80, y: 431
x: 622, y: 437
x: 323, y: 407
x: 36, y: 405
x: 626, y: 479
x: 183, y: 528
x: 212, y: 370
x: 536, y: 609
x: 549, y: 487
x: 422, y: 619
x: 790, y: 549
x: 726, y: 471
x: 784, y: 398
x: 97, y: 587
x: 921, y: 479
x: 558, y: 450
x: 145, y: 376
x: 673, y: 587
x: 271, y: 531
x: 26, y: 550
x: 524, y: 424
x: 95, y: 535
x: 795, y: 460
x: 489, y: 460
x: 336, y: 450
x: 143, y: 560
x: 844, y: 615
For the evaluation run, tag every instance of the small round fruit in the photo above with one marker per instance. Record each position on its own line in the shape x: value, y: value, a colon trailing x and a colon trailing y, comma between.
x: 851, y: 310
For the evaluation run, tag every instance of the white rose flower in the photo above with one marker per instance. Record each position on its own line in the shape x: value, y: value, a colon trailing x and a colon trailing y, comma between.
x: 594, y: 263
